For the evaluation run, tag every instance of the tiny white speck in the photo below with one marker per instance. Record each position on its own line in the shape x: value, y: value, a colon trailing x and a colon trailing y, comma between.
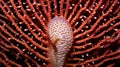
x: 33, y: 17
x: 35, y: 57
x: 23, y: 49
x: 82, y: 56
x: 80, y: 5
x: 73, y: 4
x: 70, y: 8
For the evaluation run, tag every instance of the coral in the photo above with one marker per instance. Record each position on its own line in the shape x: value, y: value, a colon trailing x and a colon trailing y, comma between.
x: 24, y: 39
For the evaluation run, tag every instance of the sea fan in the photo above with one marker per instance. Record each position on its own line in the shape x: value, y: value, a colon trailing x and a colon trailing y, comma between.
x: 25, y: 40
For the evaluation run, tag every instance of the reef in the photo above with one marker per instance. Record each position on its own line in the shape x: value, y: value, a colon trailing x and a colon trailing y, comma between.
x: 25, y: 42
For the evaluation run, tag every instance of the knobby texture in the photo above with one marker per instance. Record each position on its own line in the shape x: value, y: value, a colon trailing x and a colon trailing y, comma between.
x: 61, y: 37
x: 24, y: 39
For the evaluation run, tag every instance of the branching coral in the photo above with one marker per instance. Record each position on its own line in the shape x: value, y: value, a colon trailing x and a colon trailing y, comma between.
x: 24, y: 39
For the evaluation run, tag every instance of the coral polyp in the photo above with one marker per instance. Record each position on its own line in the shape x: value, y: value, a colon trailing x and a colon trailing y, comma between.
x: 61, y: 37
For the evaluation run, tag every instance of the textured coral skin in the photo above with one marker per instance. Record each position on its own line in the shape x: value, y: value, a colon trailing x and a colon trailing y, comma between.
x: 61, y: 36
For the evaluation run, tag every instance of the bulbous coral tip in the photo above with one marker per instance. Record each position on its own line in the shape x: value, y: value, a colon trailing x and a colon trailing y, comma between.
x: 61, y: 37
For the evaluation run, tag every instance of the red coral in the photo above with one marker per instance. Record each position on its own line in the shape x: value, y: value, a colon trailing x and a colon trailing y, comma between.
x: 24, y: 39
